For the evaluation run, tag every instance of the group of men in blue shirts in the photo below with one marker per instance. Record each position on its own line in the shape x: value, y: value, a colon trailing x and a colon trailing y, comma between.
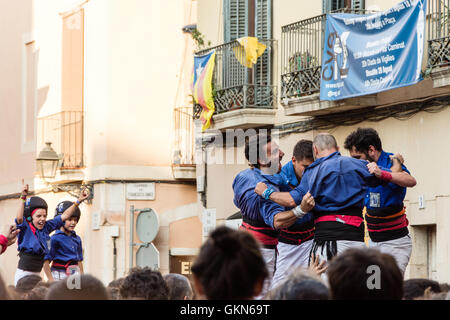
x: 313, y: 206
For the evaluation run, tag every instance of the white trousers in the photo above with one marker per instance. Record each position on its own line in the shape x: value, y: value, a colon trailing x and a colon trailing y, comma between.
x: 269, y: 256
x: 400, y: 249
x: 341, y: 245
x: 290, y: 257
x: 22, y: 273
x: 59, y: 275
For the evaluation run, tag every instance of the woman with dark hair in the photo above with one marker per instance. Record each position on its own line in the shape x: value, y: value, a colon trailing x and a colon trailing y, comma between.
x: 229, y: 266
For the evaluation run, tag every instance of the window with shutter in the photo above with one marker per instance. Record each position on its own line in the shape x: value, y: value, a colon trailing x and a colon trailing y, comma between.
x: 235, y: 26
x: 332, y: 5
x: 262, y: 69
x: 358, y: 4
x: 247, y: 18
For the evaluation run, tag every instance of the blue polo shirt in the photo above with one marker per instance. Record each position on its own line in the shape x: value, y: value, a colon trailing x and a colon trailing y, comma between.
x: 336, y: 183
x: 388, y: 194
x: 38, y: 242
x: 289, y: 173
x: 65, y: 247
x: 268, y: 208
x: 245, y: 197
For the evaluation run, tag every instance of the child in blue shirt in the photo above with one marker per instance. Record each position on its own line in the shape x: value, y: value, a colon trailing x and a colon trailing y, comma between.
x: 33, y: 239
x: 66, y: 253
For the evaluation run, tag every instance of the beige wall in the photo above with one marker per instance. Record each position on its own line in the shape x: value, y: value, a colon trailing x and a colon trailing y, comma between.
x: 16, y: 137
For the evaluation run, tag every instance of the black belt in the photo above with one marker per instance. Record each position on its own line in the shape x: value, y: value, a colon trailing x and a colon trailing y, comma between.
x: 30, y: 262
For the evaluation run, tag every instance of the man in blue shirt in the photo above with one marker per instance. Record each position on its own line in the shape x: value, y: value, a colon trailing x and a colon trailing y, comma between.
x: 66, y: 252
x: 260, y: 152
x: 385, y: 217
x: 338, y: 185
x: 295, y: 241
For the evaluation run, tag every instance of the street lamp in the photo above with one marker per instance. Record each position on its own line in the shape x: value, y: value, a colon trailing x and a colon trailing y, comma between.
x: 47, y: 162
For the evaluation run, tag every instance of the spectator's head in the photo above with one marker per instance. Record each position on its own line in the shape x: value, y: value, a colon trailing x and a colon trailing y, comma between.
x: 302, y: 156
x: 415, y: 288
x: 144, y: 284
x: 364, y: 274
x: 4, y: 292
x: 364, y: 144
x: 300, y: 285
x: 27, y: 283
x: 114, y: 288
x: 179, y: 287
x: 82, y: 287
x: 229, y: 266
x: 324, y: 144
x: 262, y: 152
x: 38, y: 293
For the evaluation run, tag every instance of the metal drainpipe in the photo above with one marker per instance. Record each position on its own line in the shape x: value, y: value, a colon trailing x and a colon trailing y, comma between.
x: 114, y: 259
x: 131, y: 235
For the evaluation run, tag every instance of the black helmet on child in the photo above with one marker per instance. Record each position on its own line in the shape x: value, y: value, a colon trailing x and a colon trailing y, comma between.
x: 63, y: 206
x: 31, y: 204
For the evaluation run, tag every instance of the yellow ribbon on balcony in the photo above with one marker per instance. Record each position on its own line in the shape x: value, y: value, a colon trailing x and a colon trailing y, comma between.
x: 249, y: 51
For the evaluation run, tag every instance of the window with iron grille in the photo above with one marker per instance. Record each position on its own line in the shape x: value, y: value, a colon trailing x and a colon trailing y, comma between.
x: 333, y: 5
x: 247, y: 18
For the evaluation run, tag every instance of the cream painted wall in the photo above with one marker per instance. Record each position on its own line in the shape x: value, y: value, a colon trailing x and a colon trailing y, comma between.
x: 131, y: 79
x: 16, y: 158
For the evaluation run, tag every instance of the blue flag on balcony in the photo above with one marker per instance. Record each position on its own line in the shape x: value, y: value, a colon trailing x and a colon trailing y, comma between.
x: 366, y: 54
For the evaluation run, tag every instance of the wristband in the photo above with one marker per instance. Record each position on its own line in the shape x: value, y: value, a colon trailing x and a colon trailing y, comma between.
x: 386, y: 176
x: 77, y: 203
x: 266, y: 194
x: 3, y: 242
x: 298, y: 212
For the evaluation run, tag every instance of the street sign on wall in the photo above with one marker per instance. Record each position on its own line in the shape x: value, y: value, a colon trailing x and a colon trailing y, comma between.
x: 141, y: 191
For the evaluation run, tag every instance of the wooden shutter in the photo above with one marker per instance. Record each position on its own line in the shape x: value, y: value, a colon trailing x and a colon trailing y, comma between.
x: 262, y: 69
x: 358, y: 4
x: 235, y: 26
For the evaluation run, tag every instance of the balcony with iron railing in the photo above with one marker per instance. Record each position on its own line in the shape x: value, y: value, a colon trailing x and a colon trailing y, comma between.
x: 301, y: 63
x: 243, y: 97
x: 183, y: 161
x: 65, y: 131
x: 438, y: 36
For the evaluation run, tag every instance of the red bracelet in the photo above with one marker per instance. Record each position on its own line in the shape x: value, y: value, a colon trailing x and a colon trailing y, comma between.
x: 386, y: 176
x: 3, y: 242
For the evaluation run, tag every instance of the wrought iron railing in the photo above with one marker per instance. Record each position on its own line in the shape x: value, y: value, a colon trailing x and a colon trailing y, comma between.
x: 65, y: 131
x: 184, y: 144
x: 236, y: 86
x: 438, y: 25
